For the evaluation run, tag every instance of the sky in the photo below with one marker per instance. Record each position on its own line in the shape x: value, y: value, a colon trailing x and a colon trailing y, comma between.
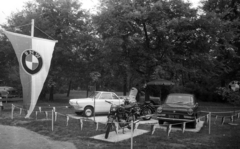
x: 9, y: 6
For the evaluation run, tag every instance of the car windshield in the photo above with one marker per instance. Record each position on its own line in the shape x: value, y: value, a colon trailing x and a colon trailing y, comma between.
x: 94, y: 94
x: 179, y: 99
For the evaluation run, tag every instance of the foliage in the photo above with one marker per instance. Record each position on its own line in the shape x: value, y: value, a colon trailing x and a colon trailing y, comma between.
x: 229, y: 95
x: 129, y: 43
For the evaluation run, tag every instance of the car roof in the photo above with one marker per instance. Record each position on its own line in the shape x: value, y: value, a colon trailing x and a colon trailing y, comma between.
x: 104, y: 91
x: 182, y: 94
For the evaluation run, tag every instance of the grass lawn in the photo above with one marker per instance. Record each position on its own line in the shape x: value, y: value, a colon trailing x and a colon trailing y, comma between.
x: 221, y: 137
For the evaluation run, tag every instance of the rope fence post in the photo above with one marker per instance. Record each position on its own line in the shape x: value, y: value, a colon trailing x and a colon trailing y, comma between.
x: 52, y: 119
x: 36, y: 114
x: 20, y: 111
x: 46, y: 113
x: 209, y: 122
x: 12, y: 111
x: 132, y: 134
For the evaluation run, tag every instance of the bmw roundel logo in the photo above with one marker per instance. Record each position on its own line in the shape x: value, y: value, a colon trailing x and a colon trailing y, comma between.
x: 31, y: 61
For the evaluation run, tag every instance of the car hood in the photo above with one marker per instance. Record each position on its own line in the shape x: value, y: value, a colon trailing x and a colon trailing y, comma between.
x: 80, y: 100
x: 177, y: 106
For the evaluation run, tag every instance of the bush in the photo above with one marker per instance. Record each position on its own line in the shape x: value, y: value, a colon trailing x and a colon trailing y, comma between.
x: 233, y: 97
x: 180, y: 89
x: 201, y: 93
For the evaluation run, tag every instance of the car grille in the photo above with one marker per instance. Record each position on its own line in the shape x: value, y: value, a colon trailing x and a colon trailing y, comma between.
x: 174, y: 116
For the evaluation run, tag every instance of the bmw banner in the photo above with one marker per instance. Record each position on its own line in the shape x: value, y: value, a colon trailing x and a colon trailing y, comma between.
x: 34, y: 56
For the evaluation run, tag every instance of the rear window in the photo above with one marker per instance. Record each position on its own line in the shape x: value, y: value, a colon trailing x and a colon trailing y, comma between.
x: 180, y: 99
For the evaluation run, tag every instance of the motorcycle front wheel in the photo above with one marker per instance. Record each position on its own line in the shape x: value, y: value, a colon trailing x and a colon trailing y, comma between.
x: 109, y: 126
x: 134, y: 124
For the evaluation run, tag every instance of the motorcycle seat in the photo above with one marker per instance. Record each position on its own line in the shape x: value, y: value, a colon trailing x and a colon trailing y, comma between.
x: 147, y: 102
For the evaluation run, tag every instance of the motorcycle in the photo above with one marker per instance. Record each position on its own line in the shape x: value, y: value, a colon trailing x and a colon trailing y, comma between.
x: 145, y: 110
x: 121, y: 115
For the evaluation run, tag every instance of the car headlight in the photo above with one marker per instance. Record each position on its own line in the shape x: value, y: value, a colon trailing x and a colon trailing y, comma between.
x: 190, y: 111
x: 159, y: 109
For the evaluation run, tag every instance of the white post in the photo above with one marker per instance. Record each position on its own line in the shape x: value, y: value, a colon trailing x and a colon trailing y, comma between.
x: 209, y: 121
x: 12, y: 111
x: 32, y: 28
x: 94, y: 108
x: 132, y: 134
x: 20, y: 111
x: 52, y: 119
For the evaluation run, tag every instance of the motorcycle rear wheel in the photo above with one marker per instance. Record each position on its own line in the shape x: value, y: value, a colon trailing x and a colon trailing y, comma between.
x: 109, y: 126
x: 146, y: 111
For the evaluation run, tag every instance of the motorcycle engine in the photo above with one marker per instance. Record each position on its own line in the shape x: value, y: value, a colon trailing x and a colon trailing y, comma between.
x: 121, y: 109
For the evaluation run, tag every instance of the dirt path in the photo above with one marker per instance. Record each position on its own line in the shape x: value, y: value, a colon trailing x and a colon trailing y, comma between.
x: 20, y: 138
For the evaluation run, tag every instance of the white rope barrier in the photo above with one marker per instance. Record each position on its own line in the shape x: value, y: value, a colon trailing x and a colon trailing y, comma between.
x: 183, y: 125
x: 207, y: 118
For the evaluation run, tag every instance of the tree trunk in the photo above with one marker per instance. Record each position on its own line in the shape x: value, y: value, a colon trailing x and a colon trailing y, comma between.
x: 69, y: 88
x: 51, y: 93
x: 147, y: 94
x: 125, y: 85
x: 87, y: 89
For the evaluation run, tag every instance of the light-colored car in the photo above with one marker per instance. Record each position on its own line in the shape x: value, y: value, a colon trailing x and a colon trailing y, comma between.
x: 86, y: 105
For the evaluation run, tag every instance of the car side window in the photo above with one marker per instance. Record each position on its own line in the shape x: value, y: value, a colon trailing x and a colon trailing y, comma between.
x: 106, y: 96
x: 114, y: 96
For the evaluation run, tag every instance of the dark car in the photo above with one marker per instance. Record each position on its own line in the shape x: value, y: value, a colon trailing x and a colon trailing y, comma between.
x: 8, y: 92
x: 177, y: 108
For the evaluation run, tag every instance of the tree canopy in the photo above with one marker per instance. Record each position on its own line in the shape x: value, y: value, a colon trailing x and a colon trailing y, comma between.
x: 131, y: 42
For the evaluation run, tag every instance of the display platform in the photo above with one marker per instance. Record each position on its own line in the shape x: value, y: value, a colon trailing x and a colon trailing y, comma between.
x: 113, y: 137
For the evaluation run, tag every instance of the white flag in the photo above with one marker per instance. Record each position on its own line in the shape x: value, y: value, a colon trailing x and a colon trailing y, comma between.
x: 34, y: 57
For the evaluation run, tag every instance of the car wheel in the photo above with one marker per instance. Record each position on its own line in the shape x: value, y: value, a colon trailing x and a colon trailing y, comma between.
x: 192, y: 125
x: 79, y: 113
x: 160, y: 121
x: 88, y: 111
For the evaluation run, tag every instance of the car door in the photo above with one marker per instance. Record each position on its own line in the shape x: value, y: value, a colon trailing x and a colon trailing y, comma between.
x: 116, y: 100
x: 101, y: 105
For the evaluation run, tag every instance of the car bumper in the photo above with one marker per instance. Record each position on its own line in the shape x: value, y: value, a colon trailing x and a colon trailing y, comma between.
x: 77, y: 108
x: 184, y: 118
x: 174, y: 119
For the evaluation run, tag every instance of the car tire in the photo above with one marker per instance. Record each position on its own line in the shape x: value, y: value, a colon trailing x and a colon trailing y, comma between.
x: 192, y: 125
x: 160, y: 121
x: 109, y: 126
x: 79, y: 113
x: 88, y: 111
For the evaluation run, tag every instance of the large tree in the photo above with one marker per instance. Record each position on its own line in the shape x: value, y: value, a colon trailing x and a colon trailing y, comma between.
x: 60, y: 20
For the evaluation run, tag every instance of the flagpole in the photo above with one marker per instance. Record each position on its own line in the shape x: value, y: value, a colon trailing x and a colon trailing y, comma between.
x: 32, y: 35
x: 32, y: 28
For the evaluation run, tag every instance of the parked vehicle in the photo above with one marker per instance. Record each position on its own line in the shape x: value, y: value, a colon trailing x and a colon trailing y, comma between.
x: 178, y: 107
x: 122, y: 115
x: 8, y: 92
x: 144, y: 110
x: 86, y: 105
